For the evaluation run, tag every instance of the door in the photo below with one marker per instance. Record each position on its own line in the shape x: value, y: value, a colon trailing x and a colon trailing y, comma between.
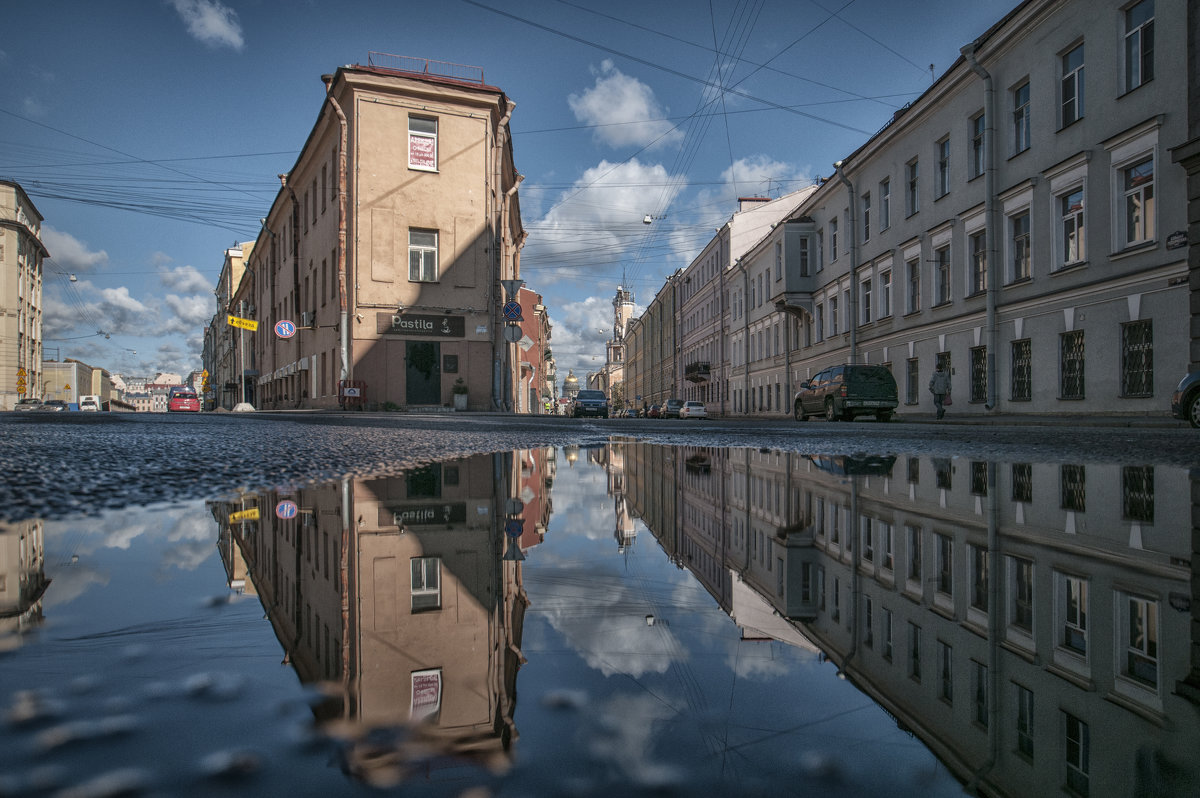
x: 422, y: 373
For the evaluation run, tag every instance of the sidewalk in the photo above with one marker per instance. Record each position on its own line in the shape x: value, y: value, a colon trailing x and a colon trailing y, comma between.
x: 1162, y: 421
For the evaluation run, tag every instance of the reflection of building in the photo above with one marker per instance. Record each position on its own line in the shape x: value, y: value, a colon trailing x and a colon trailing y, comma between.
x: 22, y: 580
x: 1029, y: 622
x: 21, y: 256
x: 397, y: 590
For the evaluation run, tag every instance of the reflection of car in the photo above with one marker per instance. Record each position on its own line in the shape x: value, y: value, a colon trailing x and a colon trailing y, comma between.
x: 28, y: 404
x: 589, y: 403
x: 671, y: 408
x: 850, y: 465
x: 89, y: 403
x: 183, y: 399
x: 1185, y: 403
x: 57, y: 405
x: 842, y: 392
x: 693, y: 410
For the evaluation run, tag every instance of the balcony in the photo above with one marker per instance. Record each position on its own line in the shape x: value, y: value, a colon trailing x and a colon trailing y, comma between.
x: 697, y: 372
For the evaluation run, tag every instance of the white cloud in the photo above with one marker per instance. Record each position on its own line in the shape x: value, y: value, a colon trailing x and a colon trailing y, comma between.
x: 577, y: 341
x: 186, y: 313
x: 186, y: 280
x: 624, y: 110
x: 211, y: 22
x: 70, y: 253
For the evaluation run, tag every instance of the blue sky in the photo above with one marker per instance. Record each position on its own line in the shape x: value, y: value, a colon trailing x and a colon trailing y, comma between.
x: 150, y: 134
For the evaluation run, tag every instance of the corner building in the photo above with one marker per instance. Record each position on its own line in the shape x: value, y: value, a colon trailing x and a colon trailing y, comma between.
x: 388, y: 246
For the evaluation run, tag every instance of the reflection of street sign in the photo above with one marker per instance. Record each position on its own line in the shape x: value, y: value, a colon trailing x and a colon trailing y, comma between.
x: 350, y: 392
x: 244, y: 515
x: 512, y: 333
x: 286, y: 509
x: 245, y: 324
x: 513, y: 506
x: 513, y: 527
x: 512, y: 310
x: 285, y: 328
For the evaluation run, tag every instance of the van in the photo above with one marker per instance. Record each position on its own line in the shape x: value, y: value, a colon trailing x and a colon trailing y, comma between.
x: 840, y: 393
x: 91, y: 403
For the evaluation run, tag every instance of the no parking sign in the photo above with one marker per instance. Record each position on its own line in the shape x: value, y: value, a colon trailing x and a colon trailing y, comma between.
x: 286, y: 509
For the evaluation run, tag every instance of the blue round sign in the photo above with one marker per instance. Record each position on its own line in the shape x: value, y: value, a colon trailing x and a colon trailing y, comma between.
x: 286, y: 509
x: 285, y: 328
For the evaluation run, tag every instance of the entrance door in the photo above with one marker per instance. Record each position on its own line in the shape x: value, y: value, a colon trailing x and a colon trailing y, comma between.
x: 422, y: 373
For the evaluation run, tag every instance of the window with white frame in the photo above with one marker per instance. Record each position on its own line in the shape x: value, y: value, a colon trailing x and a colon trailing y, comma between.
x: 1077, y: 752
x: 866, y: 216
x: 977, y: 243
x: 914, y: 284
x: 943, y: 167
x: 978, y: 153
x: 979, y: 578
x: 1137, y: 183
x: 1018, y: 247
x: 1073, y: 604
x: 1141, y: 640
x: 912, y: 196
x: 1020, y: 116
x: 423, y: 256
x: 833, y: 315
x: 885, y: 204
x: 945, y: 564
x: 912, y: 537
x: 820, y: 254
x: 422, y: 143
x: 941, y: 275
x: 864, y: 303
x: 1071, y: 85
x: 820, y: 322
x: 1072, y: 247
x: 1020, y: 583
x: 426, y: 583
x: 1139, y: 44
x: 885, y: 293
x: 945, y: 671
x: 833, y: 239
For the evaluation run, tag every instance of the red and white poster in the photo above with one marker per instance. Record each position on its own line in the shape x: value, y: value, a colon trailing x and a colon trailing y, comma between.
x: 422, y: 152
x: 426, y: 693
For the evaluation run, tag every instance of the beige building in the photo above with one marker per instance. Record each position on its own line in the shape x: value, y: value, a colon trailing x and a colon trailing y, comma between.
x: 72, y: 379
x: 21, y: 256
x: 225, y: 346
x: 392, y: 246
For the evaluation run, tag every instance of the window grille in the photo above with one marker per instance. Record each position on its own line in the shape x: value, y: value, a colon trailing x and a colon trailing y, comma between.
x: 911, y: 381
x: 978, y: 478
x: 1022, y: 370
x: 979, y: 374
x: 1074, y: 487
x: 1137, y: 493
x: 1071, y: 365
x: 1022, y: 482
x: 1137, y: 359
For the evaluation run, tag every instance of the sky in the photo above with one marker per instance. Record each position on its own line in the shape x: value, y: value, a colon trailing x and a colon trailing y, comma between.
x: 150, y: 134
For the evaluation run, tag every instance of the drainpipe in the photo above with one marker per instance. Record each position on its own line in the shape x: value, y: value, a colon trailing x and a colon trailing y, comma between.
x: 346, y: 371
x: 853, y: 232
x: 990, y: 208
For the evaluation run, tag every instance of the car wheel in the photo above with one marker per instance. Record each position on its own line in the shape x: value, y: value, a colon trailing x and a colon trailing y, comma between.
x: 1193, y: 410
x: 798, y: 412
x: 830, y: 415
x: 883, y: 416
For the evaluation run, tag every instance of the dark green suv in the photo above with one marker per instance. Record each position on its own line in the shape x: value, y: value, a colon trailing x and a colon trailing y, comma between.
x: 840, y: 393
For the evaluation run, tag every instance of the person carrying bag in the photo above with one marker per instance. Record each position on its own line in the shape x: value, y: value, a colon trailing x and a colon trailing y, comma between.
x: 939, y: 386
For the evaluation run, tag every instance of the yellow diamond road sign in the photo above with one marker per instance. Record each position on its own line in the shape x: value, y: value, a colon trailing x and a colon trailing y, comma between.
x: 245, y: 324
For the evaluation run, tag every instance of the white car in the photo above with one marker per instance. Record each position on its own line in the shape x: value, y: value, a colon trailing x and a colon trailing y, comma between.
x: 693, y: 410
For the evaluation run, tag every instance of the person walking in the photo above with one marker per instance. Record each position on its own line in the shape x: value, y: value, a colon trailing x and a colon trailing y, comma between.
x: 939, y: 386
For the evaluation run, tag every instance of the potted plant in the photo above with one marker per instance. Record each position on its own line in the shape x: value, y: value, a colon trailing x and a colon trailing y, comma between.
x: 460, y: 394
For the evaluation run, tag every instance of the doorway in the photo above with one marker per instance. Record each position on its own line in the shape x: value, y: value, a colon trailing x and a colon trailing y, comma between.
x: 422, y: 373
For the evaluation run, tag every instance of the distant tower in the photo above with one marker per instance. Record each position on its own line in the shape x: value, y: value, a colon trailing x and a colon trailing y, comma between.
x: 570, y: 385
x: 622, y: 312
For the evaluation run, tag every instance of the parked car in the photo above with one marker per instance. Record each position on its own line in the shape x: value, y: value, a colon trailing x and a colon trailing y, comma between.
x: 671, y: 408
x: 629, y: 412
x: 1185, y: 403
x: 840, y: 393
x: 56, y: 405
x: 654, y: 411
x: 89, y: 403
x: 693, y: 410
x: 28, y: 404
x: 182, y: 398
x: 589, y: 403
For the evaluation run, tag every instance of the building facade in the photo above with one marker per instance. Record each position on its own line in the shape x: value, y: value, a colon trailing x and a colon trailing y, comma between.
x: 389, y: 244
x: 21, y: 257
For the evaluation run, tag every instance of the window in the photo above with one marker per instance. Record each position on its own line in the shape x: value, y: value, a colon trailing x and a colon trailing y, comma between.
x: 1021, y: 584
x: 1077, y: 752
x: 1072, y: 85
x: 913, y: 534
x: 1141, y: 662
x: 885, y: 635
x: 1137, y: 493
x: 422, y: 143
x: 778, y: 260
x: 426, y: 583
x: 886, y: 555
x: 1137, y: 358
x: 864, y: 302
x: 979, y: 375
x: 979, y: 478
x: 914, y: 651
x: 833, y: 315
x: 1139, y: 44
x: 885, y: 204
x: 943, y: 167
x: 914, y: 470
x: 868, y: 623
x: 979, y: 578
x: 833, y: 239
x: 914, y: 285
x: 1018, y: 226
x: 945, y: 564
x: 868, y: 539
x: 324, y: 184
x: 978, y: 247
x: 981, y: 693
x: 820, y: 250
x: 1073, y: 487
x: 1072, y: 245
x: 978, y: 153
x: 1138, y: 183
x: 945, y: 672
x: 1070, y: 345
x: 422, y: 256
x: 910, y: 384
x: 1021, y: 132
x: 941, y: 284
x: 866, y: 216
x: 1024, y: 721
x: 1022, y: 370
x: 1075, y: 609
x: 885, y: 293
x: 911, y: 195
x: 1022, y: 482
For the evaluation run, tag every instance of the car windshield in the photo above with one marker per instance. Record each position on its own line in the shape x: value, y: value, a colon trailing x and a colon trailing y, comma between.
x: 590, y: 395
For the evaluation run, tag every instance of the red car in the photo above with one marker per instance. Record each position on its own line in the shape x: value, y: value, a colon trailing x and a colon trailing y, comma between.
x: 183, y: 399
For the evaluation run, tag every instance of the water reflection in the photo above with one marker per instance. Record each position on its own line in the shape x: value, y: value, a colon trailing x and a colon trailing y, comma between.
x: 1030, y: 625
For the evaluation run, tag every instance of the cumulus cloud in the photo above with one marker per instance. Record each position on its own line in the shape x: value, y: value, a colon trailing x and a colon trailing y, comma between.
x: 184, y: 314
x: 578, y: 343
x: 70, y: 253
x: 211, y: 22
x: 624, y: 110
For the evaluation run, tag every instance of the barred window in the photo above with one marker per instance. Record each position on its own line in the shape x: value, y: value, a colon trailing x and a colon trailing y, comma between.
x: 1022, y: 370
x: 1071, y: 365
x: 1137, y: 493
x: 914, y: 470
x: 979, y: 375
x: 978, y: 478
x: 1137, y: 358
x: 1073, y: 486
x: 1022, y: 482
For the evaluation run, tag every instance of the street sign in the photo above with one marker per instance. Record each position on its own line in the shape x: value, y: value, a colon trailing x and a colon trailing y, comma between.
x: 513, y: 527
x: 511, y: 287
x: 286, y: 509
x: 244, y: 515
x: 285, y: 328
x: 245, y: 324
x: 526, y: 343
x: 512, y: 311
x: 21, y: 372
x: 512, y: 333
x: 513, y: 506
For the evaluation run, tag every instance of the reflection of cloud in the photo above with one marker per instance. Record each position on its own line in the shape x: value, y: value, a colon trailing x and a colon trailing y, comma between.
x: 187, y: 556
x: 70, y: 583
x: 630, y: 729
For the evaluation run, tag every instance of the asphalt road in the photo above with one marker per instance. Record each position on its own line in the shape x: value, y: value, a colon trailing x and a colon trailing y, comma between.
x: 59, y: 464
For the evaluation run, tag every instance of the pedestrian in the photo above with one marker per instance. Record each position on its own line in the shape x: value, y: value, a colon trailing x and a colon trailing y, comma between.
x: 939, y: 386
